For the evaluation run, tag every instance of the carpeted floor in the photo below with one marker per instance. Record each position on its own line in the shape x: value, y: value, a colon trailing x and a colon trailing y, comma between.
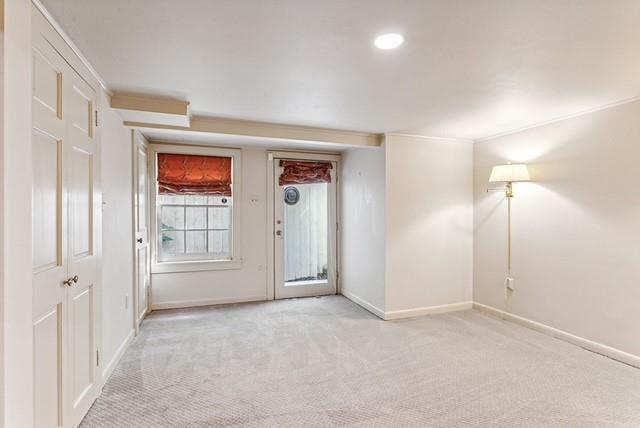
x: 323, y: 362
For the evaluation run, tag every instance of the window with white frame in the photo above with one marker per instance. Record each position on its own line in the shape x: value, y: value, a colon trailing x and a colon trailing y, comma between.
x: 194, y: 205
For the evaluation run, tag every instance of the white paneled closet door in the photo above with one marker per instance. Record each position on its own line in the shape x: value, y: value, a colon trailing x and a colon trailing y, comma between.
x: 65, y: 257
x: 49, y: 235
x: 79, y: 168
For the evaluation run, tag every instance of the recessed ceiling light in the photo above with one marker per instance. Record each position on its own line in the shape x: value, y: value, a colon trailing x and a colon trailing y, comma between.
x: 389, y: 41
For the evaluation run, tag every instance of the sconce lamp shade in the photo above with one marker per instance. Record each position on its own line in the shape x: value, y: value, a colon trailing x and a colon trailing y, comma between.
x: 509, y: 173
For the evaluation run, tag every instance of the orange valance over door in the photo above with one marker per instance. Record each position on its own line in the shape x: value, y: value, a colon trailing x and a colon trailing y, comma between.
x: 191, y: 174
x: 299, y: 172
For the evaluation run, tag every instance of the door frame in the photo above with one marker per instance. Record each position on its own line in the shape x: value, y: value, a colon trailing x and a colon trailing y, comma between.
x: 138, y: 139
x: 271, y: 203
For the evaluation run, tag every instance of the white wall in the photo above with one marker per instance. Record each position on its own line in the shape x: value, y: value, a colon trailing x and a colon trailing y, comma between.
x: 117, y: 235
x: 362, y: 229
x: 17, y: 345
x: 223, y: 286
x: 2, y: 101
x: 576, y: 246
x: 429, y: 225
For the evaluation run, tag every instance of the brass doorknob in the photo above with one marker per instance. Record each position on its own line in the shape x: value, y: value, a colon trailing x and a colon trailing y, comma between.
x: 70, y: 281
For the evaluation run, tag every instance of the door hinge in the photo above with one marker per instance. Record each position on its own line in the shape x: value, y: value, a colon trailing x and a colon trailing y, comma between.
x: 97, y: 357
x: 97, y: 121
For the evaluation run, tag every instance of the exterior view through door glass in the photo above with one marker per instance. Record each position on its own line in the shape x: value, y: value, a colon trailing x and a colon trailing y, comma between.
x: 305, y: 228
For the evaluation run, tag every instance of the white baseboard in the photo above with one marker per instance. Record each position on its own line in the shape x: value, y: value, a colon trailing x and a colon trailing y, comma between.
x: 416, y: 312
x: 178, y: 304
x: 108, y: 369
x: 359, y: 301
x: 599, y: 348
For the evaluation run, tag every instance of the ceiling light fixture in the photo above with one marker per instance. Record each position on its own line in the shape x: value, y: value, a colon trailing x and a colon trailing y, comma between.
x: 389, y: 41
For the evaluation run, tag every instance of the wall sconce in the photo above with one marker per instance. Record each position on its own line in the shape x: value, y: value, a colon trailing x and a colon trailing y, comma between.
x: 506, y: 175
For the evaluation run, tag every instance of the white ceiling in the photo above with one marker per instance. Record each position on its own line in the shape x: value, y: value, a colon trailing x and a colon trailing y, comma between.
x: 467, y: 69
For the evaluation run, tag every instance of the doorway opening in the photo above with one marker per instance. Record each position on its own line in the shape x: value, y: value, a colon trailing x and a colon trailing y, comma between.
x: 304, y: 225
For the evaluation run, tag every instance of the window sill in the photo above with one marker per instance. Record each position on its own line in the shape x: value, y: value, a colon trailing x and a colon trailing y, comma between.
x: 195, y: 266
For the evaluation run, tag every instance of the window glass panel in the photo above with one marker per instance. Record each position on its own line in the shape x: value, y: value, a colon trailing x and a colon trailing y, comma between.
x: 219, y: 200
x: 195, y: 200
x: 196, y: 218
x: 171, y: 199
x: 172, y: 217
x: 220, y: 243
x: 172, y: 242
x: 196, y: 242
x: 219, y: 218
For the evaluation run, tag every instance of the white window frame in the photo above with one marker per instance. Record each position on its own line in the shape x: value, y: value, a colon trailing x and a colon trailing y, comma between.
x: 236, y: 229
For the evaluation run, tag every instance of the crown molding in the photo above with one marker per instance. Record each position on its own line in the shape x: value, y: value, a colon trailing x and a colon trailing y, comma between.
x: 559, y: 119
x: 65, y: 37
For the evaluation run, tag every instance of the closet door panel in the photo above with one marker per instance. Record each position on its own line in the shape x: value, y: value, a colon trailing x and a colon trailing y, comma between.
x: 49, y: 228
x: 48, y: 369
x: 80, y: 179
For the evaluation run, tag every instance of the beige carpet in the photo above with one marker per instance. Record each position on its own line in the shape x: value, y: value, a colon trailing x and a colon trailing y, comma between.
x: 323, y: 362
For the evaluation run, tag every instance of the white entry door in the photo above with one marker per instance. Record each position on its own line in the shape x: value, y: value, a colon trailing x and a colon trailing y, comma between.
x: 141, y: 198
x: 65, y: 200
x: 305, y: 236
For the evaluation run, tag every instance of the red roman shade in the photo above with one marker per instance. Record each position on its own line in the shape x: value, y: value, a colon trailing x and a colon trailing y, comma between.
x: 192, y: 174
x: 297, y: 172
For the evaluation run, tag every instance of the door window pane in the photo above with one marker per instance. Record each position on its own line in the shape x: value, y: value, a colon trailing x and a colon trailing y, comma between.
x: 220, y: 243
x: 306, y: 235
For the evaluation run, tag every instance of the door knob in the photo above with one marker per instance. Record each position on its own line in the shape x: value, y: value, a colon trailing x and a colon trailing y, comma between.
x: 70, y: 281
x: 139, y: 240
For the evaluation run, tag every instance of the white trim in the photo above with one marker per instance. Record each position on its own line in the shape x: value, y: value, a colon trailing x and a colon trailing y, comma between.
x: 158, y: 268
x: 429, y: 310
x: 65, y: 37
x: 109, y: 368
x: 559, y: 119
x: 361, y: 302
x: 599, y: 348
x: 429, y: 137
x: 270, y: 206
x: 180, y: 304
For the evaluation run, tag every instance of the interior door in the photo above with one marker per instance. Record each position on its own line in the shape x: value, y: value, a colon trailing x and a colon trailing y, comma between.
x: 49, y: 234
x: 141, y: 204
x: 305, y: 237
x: 80, y: 167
